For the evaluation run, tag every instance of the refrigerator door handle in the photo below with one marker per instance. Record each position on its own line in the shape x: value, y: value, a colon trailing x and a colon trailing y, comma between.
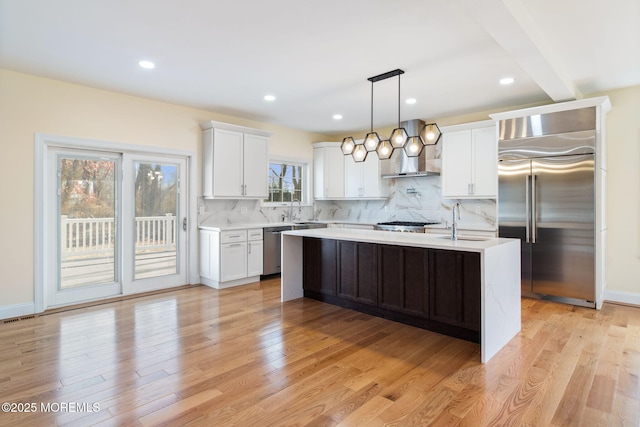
x: 527, y: 208
x: 534, y: 209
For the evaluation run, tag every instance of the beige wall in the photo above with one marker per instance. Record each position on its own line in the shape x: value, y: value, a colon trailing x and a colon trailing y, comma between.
x: 623, y: 191
x: 30, y: 105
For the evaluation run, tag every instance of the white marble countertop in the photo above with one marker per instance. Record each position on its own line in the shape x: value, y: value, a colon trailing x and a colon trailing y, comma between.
x: 404, y: 239
x: 242, y: 226
x: 442, y: 226
x: 231, y: 227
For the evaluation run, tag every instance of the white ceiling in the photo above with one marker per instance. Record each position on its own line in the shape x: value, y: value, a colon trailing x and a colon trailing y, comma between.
x: 316, y: 56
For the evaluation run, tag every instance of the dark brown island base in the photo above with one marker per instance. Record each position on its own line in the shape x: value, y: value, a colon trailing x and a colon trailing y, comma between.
x: 465, y: 289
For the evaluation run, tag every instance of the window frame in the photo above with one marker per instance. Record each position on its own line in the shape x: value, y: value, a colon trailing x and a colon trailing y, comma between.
x: 306, y: 179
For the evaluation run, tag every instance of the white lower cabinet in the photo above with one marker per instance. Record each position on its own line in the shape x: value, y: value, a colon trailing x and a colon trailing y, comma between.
x: 254, y: 252
x: 230, y: 258
x: 233, y: 261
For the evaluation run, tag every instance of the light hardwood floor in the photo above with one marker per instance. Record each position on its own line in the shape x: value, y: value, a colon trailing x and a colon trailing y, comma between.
x: 199, y: 356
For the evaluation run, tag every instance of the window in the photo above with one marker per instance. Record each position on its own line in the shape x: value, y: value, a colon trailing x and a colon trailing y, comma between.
x: 287, y: 181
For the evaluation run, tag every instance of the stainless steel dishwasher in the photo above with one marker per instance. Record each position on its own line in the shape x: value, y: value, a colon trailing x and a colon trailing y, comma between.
x: 271, y: 253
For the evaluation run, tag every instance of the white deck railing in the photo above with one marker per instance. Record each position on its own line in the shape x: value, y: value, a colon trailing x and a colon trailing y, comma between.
x: 94, y: 236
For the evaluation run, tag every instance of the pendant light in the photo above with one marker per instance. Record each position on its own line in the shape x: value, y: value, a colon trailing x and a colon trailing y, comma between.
x: 399, y: 135
x: 430, y: 134
x: 399, y: 139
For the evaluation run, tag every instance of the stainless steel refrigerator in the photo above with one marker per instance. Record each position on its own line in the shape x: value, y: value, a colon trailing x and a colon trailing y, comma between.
x: 547, y: 199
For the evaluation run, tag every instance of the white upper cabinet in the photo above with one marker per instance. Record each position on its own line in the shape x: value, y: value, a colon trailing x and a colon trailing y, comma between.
x: 470, y: 161
x: 235, y: 161
x: 337, y: 176
x: 256, y: 164
x: 328, y: 171
x: 363, y: 179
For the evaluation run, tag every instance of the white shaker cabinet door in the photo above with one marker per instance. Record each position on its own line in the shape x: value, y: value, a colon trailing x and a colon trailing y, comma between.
x: 485, y: 162
x: 371, y: 180
x: 456, y: 164
x: 256, y: 163
x: 254, y: 258
x: 227, y: 163
x: 352, y: 177
x: 233, y: 261
x: 334, y: 172
x: 328, y: 171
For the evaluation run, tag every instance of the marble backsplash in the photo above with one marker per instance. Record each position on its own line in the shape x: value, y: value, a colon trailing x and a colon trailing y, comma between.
x: 410, y: 199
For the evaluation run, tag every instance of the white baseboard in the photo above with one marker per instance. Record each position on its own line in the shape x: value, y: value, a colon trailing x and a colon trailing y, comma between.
x: 621, y: 297
x: 17, y: 310
x: 223, y: 285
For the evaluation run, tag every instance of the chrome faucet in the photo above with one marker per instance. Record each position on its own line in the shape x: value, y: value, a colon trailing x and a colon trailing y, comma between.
x: 291, y: 215
x: 454, y: 221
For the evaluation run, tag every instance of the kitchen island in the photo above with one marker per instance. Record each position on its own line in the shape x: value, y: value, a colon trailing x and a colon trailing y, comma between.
x: 468, y: 289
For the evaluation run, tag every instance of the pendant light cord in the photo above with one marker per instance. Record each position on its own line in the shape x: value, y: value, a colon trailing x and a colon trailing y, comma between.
x: 371, y: 107
x: 399, y: 101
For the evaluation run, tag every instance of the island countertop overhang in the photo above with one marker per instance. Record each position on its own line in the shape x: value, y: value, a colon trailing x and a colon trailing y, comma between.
x: 418, y: 240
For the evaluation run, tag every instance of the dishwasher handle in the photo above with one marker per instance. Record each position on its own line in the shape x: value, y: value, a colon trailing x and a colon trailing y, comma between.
x: 276, y: 230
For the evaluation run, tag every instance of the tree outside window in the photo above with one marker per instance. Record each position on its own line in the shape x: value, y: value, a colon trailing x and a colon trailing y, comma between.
x: 285, y: 182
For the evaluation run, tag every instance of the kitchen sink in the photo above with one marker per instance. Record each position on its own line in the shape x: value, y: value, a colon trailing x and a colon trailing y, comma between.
x: 468, y: 238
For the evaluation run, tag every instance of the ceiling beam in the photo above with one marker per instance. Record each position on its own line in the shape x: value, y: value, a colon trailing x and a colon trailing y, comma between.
x: 513, y: 28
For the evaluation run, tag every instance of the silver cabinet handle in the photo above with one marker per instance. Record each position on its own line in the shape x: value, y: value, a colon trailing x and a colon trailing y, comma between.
x: 249, y: 246
x: 235, y: 245
x: 184, y: 223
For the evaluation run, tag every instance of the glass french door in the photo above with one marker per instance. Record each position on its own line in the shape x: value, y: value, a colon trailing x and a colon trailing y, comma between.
x: 87, y: 223
x: 155, y: 225
x: 120, y: 222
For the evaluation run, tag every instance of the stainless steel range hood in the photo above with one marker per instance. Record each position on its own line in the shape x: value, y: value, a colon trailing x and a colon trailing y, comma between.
x: 404, y: 166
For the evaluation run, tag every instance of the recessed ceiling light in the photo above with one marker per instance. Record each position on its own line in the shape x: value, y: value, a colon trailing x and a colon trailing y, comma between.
x: 411, y: 101
x: 506, y: 80
x: 337, y: 117
x: 147, y: 64
x: 269, y: 98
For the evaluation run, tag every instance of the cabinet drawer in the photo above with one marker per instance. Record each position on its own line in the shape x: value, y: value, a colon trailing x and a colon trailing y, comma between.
x: 233, y: 236
x: 254, y: 234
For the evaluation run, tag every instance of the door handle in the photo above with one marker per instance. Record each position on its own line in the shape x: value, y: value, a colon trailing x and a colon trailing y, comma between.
x: 184, y: 223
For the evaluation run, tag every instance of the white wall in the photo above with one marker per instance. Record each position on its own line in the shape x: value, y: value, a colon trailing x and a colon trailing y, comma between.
x: 30, y: 105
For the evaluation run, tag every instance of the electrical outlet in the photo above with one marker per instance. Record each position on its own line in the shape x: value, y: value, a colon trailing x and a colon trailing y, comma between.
x: 201, y: 210
x: 243, y: 210
x: 478, y: 210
